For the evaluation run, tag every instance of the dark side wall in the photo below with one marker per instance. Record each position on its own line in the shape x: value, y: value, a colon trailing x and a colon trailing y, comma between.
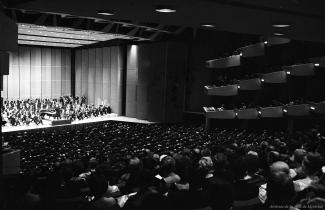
x: 155, y: 81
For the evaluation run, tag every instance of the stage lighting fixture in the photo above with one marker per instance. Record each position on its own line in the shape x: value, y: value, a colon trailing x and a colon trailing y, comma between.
x: 165, y: 9
x: 312, y: 108
x: 281, y: 25
x: 265, y: 42
x: 285, y: 111
x: 288, y: 72
x: 316, y: 64
x: 105, y: 12
x: 262, y: 80
x: 208, y: 25
x: 278, y: 34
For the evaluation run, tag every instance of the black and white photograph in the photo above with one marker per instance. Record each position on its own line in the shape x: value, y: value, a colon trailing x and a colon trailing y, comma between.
x: 162, y: 105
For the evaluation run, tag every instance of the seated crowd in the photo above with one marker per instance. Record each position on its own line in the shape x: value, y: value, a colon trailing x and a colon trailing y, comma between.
x: 118, y: 165
x: 31, y: 111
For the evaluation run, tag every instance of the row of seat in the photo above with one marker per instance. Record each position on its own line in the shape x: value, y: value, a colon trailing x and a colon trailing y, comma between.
x: 298, y: 110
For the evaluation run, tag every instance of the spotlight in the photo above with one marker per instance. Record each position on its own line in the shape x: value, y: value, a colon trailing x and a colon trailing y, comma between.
x: 259, y: 112
x: 165, y: 9
x: 262, y: 80
x: 278, y: 34
x: 240, y: 54
x: 236, y: 114
x: 265, y: 42
x: 316, y: 64
x: 288, y: 72
x: 312, y: 108
x: 285, y: 111
x: 238, y: 86
x: 105, y: 12
x: 281, y: 25
x: 208, y: 25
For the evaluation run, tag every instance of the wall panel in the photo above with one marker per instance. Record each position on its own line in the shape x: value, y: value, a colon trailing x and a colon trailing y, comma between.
x: 99, y: 77
x: 56, y: 73
x: 13, y: 77
x: 67, y: 72
x: 106, y: 75
x: 24, y: 72
x: 91, y: 76
x: 36, y: 72
x: 46, y: 73
x: 84, y: 72
x: 4, y: 92
x: 78, y: 74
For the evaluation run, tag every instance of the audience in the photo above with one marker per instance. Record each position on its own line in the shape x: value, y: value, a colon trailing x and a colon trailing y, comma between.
x: 119, y: 165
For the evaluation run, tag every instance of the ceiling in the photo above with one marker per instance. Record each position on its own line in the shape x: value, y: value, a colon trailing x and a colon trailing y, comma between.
x: 138, y: 17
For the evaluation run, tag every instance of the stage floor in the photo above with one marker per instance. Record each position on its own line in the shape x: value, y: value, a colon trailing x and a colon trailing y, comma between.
x: 113, y: 117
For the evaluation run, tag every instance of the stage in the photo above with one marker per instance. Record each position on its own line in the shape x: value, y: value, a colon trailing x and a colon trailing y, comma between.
x: 108, y: 117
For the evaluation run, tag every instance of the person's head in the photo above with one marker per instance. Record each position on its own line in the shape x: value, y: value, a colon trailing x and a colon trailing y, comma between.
x: 279, y: 167
x: 280, y: 189
x: 98, y: 185
x: 167, y: 165
x: 312, y: 163
x: 206, y: 164
x: 252, y: 162
x: 299, y: 155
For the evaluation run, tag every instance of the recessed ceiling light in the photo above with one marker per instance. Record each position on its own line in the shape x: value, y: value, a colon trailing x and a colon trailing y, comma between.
x: 208, y: 25
x: 281, y: 25
x: 105, y: 12
x: 265, y: 42
x: 278, y: 34
x: 165, y: 9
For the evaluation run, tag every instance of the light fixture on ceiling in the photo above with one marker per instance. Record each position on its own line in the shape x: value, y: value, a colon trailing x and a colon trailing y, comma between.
x: 262, y: 80
x: 288, y: 72
x: 281, y: 25
x: 105, y: 12
x: 278, y: 34
x: 208, y: 25
x: 316, y: 64
x: 165, y: 9
x: 265, y: 42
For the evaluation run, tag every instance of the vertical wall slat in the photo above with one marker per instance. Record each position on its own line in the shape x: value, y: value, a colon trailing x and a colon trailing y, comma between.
x: 99, y: 77
x: 46, y: 73
x: 91, y: 76
x: 24, y: 72
x: 107, y: 75
x: 36, y: 72
x: 78, y: 75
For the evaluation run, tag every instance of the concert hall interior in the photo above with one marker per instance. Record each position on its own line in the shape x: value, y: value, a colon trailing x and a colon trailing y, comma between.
x: 181, y: 105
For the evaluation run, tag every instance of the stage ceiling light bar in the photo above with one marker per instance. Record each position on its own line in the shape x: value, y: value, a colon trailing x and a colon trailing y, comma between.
x: 54, y: 39
x: 63, y: 35
x: 50, y: 44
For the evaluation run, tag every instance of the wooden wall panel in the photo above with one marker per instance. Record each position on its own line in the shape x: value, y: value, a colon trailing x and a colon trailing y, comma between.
x: 36, y: 73
x: 114, y: 79
x: 67, y: 72
x: 107, y: 75
x: 91, y: 76
x: 13, y: 77
x: 56, y: 73
x: 63, y: 73
x: 46, y: 73
x: 99, y: 77
x: 84, y: 74
x: 24, y: 71
x: 78, y: 75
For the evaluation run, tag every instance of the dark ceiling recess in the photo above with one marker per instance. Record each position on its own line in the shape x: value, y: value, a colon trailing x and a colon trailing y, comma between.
x: 10, y: 3
x: 303, y: 8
